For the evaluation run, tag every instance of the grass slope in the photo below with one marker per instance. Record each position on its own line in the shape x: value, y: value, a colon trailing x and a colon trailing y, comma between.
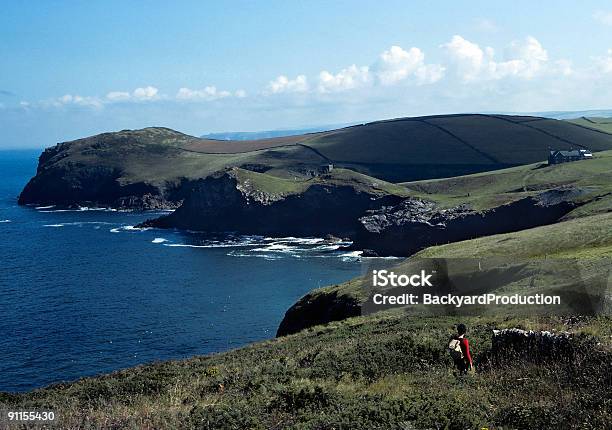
x: 450, y: 145
x: 273, y: 185
x: 601, y: 124
x: 571, y: 258
x: 490, y: 189
x: 386, y: 371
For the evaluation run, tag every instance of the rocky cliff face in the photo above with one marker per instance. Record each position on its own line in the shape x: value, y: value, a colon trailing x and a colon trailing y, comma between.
x: 222, y: 202
x: 316, y: 309
x: 415, y: 224
x: 119, y: 170
x: 73, y: 184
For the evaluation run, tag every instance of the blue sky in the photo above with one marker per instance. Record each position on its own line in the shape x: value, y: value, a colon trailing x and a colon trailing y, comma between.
x: 75, y: 68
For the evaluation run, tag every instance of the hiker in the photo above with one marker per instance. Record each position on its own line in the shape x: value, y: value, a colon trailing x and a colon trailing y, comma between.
x: 459, y: 349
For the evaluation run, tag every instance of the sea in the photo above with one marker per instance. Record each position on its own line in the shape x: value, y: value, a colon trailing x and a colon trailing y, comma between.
x: 84, y: 292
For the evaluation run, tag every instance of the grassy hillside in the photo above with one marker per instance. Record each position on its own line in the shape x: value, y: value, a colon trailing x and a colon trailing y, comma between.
x: 601, y: 124
x: 274, y: 185
x: 572, y: 259
x: 410, y: 148
x: 450, y: 145
x: 490, y: 189
x: 386, y: 371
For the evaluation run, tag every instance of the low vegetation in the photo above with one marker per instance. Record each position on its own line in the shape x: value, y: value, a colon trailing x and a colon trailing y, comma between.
x: 384, y: 371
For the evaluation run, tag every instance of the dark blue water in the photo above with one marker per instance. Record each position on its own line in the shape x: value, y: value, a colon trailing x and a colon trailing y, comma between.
x: 82, y: 292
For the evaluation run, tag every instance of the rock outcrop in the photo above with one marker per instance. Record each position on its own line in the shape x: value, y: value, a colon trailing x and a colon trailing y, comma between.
x: 123, y: 170
x: 315, y: 309
x: 516, y: 344
x: 226, y: 203
x: 415, y: 224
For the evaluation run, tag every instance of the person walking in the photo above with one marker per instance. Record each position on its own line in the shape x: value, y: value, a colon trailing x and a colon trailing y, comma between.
x: 459, y: 348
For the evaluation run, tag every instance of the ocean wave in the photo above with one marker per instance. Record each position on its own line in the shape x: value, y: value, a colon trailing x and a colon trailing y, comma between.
x: 269, y: 248
x: 275, y: 247
x: 351, y: 256
x: 185, y: 245
x: 2, y: 221
x: 296, y: 240
x: 128, y: 228
x: 248, y: 254
x: 77, y: 223
x: 48, y: 209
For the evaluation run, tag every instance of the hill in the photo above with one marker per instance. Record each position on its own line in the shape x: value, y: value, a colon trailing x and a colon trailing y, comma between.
x: 576, y: 247
x: 382, y: 371
x: 571, y: 259
x: 595, y: 123
x: 248, y: 202
x: 266, y: 134
x: 395, y: 219
x: 155, y: 167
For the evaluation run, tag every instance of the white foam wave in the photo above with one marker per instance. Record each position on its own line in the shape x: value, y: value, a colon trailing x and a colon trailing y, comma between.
x: 296, y: 240
x: 44, y: 207
x: 128, y: 228
x: 4, y: 221
x: 77, y: 223
x: 247, y: 254
x: 275, y: 247
x: 351, y: 256
x: 159, y: 240
x: 185, y: 245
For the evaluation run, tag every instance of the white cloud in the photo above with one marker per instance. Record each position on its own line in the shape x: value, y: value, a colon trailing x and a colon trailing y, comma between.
x: 528, y: 58
x: 146, y: 93
x: 69, y: 99
x: 345, y: 79
x: 429, y: 73
x: 118, y: 96
x: 396, y: 64
x: 604, y: 17
x: 282, y: 84
x: 467, y: 55
x: 139, y: 94
x: 209, y: 93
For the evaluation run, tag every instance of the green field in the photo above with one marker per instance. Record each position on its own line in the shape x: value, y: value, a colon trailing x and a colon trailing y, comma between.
x: 601, y: 124
x: 490, y: 189
x: 454, y: 144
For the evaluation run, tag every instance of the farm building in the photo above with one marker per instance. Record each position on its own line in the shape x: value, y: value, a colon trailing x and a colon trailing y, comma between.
x: 558, y: 157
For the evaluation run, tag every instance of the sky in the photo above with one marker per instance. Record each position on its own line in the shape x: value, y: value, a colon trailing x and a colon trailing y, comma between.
x: 70, y: 69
